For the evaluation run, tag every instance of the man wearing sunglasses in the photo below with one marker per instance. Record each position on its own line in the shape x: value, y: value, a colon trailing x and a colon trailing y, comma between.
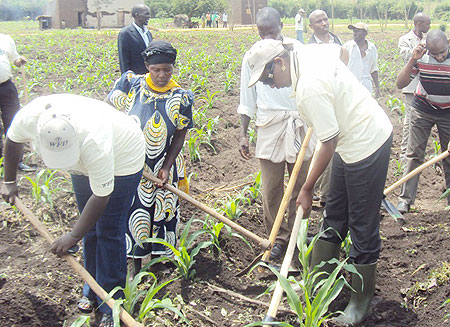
x: 280, y: 133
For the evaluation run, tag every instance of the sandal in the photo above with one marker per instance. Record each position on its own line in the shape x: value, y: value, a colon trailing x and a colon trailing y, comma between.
x: 85, y: 305
x: 106, y: 321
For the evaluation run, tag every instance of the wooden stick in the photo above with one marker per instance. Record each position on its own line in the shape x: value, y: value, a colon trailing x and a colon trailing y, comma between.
x: 245, y: 298
x: 25, y: 85
x: 287, y: 194
x: 416, y: 171
x: 124, y: 316
x: 278, y: 293
x: 263, y: 242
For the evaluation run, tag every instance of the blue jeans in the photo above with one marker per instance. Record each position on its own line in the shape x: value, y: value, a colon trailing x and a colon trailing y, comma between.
x: 300, y: 36
x: 104, y: 246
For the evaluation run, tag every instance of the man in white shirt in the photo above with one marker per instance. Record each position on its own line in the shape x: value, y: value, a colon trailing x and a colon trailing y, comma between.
x: 133, y: 40
x: 9, y: 98
x: 356, y: 135
x: 363, y: 57
x: 225, y: 20
x: 104, y: 150
x: 299, y: 24
x: 406, y: 45
x: 280, y: 133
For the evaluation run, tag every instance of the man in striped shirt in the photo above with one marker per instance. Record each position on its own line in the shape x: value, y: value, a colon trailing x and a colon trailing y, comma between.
x: 431, y: 106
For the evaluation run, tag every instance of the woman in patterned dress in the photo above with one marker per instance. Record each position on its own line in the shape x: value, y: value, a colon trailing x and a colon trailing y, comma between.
x: 164, y: 110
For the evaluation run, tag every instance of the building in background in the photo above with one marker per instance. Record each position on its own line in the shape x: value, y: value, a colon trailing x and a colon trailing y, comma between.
x: 243, y: 12
x: 89, y: 13
x: 117, y: 13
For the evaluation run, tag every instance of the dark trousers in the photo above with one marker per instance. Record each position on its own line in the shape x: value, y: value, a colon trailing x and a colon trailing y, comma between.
x: 354, y: 201
x: 9, y: 105
x: 104, y: 247
x: 421, y: 124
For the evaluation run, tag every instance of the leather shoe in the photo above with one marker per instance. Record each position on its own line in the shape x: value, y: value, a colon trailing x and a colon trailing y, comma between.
x: 403, y: 207
x: 277, y: 252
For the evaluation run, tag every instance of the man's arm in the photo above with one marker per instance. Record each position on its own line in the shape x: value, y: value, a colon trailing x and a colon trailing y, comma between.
x: 92, y: 211
x: 344, y: 55
x: 321, y: 161
x: 124, y: 53
x: 404, y: 77
x: 244, y: 148
x: 406, y: 49
x: 13, y: 153
x: 376, y: 82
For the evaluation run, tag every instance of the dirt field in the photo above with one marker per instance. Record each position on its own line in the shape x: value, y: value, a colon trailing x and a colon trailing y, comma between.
x: 38, y: 289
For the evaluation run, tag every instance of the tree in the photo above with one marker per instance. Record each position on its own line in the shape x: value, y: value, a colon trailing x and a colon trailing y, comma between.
x: 195, y: 8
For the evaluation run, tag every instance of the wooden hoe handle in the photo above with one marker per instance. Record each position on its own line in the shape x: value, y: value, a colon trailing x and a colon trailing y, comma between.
x: 124, y: 316
x: 416, y: 171
x: 278, y: 293
x: 287, y: 194
x: 262, y: 241
x: 24, y: 82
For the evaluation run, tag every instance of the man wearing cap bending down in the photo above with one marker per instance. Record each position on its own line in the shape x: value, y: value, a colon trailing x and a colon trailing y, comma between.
x: 363, y: 57
x: 356, y: 135
x: 104, y: 151
x: 280, y: 134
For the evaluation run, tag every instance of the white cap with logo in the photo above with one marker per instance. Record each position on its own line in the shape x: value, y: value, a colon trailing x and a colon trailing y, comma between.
x: 58, y: 140
x: 260, y: 54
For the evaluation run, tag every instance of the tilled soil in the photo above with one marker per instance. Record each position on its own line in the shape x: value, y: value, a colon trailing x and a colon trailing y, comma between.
x: 38, y: 289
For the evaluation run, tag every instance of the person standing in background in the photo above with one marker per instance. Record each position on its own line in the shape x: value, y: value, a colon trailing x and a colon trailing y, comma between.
x: 225, y: 20
x: 406, y: 45
x: 9, y: 98
x: 299, y: 24
x: 363, y: 57
x: 133, y: 39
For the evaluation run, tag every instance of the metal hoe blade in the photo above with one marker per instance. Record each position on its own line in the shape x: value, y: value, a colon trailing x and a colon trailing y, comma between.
x: 393, y: 211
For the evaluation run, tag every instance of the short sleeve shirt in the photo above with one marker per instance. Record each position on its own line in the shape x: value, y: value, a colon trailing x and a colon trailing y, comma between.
x: 111, y: 143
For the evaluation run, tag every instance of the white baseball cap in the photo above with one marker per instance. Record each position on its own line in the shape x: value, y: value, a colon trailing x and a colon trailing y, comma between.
x: 260, y: 54
x: 58, y: 140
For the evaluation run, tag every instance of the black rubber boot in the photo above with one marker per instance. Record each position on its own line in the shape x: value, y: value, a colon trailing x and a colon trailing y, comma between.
x: 359, y: 306
x: 324, y: 251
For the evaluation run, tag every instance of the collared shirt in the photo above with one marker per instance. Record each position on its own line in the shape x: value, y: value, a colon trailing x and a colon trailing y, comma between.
x: 270, y: 106
x: 332, y: 101
x: 8, y: 54
x: 432, y: 94
x: 111, y: 143
x: 333, y: 39
x: 406, y: 44
x: 361, y: 67
x: 145, y: 34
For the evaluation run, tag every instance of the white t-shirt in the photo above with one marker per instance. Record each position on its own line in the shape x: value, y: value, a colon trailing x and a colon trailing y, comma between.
x: 298, y: 22
x: 8, y: 54
x: 111, y: 143
x: 332, y: 101
x: 361, y: 67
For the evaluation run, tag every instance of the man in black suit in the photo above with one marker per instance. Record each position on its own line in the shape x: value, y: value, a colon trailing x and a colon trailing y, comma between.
x: 133, y: 39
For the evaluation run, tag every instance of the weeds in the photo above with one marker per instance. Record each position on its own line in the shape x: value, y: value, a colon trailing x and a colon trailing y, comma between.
x: 399, y: 168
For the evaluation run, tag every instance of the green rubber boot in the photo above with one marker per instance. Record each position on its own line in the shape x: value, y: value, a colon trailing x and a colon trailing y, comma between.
x: 359, y: 306
x: 324, y: 251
